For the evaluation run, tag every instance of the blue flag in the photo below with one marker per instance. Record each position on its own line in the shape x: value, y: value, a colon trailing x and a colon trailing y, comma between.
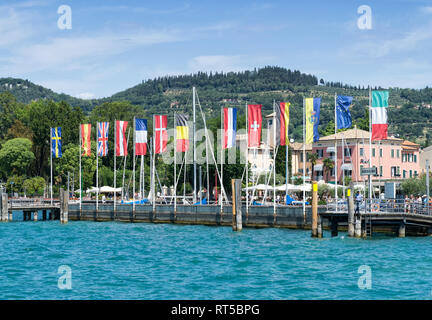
x: 56, y: 144
x: 343, y: 116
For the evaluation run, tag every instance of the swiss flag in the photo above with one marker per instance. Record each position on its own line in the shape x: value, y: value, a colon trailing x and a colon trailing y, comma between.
x: 254, y: 125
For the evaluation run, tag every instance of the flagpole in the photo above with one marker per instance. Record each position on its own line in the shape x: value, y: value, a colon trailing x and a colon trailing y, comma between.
x: 115, y: 156
x: 175, y: 164
x: 80, y: 175
x: 141, y: 192
x: 207, y: 166
x: 51, y: 165
x: 194, y: 143
x: 286, y: 157
x: 140, y: 178
x: 370, y: 145
x: 124, y: 163
x: 336, y: 156
x: 247, y: 164
x: 222, y: 157
x: 153, y: 155
x: 304, y: 160
x: 97, y: 169
x: 274, y: 159
x: 143, y: 174
x: 133, y: 164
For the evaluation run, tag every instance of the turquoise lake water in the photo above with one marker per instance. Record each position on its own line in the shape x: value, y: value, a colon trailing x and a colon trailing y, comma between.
x: 112, y: 260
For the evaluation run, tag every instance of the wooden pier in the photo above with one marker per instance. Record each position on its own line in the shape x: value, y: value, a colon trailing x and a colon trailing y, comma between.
x: 388, y: 223
x: 34, y: 210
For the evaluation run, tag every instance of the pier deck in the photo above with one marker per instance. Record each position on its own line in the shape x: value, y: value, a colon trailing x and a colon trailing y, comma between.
x: 399, y: 223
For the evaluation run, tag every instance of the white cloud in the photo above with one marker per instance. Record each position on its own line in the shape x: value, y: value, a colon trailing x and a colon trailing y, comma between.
x: 378, y: 48
x: 426, y: 9
x: 73, y: 53
x: 14, y: 27
x: 86, y: 95
x: 227, y: 63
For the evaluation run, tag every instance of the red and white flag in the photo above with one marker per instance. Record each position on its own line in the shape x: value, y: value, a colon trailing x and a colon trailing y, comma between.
x: 160, y: 133
x: 121, y: 142
x: 254, y: 125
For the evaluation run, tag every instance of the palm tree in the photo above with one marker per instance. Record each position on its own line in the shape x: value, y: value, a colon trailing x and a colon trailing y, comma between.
x: 313, y: 157
x: 328, y: 165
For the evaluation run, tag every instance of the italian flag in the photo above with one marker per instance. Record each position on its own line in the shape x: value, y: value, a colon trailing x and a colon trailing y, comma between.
x: 379, y: 114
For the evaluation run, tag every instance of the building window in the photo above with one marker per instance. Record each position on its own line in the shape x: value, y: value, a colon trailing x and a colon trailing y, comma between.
x: 361, y: 152
x: 320, y: 153
x: 404, y: 157
x: 415, y: 157
x: 410, y: 157
x: 392, y: 153
x: 347, y: 152
x: 373, y: 152
x: 380, y: 153
x: 381, y: 171
x: 410, y: 173
x: 415, y: 174
x: 397, y: 153
x: 404, y: 174
x: 301, y: 157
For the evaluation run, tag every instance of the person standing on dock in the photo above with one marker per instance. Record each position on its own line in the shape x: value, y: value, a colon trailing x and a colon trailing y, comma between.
x: 359, y: 199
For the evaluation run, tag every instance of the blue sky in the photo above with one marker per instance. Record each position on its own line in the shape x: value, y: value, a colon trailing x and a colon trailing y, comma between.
x: 114, y: 45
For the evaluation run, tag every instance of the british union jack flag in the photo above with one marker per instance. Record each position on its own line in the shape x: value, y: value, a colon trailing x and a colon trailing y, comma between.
x: 102, y: 129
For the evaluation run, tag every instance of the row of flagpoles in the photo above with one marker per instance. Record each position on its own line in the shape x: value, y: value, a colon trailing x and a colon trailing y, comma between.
x: 378, y: 103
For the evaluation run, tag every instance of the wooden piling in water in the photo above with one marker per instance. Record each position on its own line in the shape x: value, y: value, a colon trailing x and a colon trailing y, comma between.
x: 4, y: 208
x: 402, y: 230
x: 236, y: 207
x: 64, y: 206
x: 334, y: 228
x: 314, y: 209
x: 35, y: 215
x: 351, y: 222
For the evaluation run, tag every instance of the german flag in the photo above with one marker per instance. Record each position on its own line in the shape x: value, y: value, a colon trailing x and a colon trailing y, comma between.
x: 182, y: 132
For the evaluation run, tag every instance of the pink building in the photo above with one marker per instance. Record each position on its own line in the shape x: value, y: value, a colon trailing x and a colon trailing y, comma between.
x: 394, y: 158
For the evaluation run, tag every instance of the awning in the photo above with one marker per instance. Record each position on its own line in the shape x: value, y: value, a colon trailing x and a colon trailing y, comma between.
x: 330, y: 150
x: 346, y: 166
x: 318, y: 167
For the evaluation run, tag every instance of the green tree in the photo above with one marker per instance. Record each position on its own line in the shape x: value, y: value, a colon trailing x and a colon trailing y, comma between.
x: 70, y: 162
x: 42, y: 115
x: 34, y: 186
x: 313, y: 158
x: 16, y: 156
x: 328, y: 165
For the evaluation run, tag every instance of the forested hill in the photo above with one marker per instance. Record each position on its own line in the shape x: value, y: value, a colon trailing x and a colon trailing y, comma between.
x: 26, y: 91
x: 410, y: 112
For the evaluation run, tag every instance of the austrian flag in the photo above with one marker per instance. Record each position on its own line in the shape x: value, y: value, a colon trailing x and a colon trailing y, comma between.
x: 121, y: 142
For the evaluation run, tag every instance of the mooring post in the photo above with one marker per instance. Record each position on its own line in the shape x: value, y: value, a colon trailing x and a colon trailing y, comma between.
x: 334, y: 227
x: 319, y: 230
x: 314, y: 209
x: 237, y: 206
x: 4, y: 207
x: 402, y: 230
x: 350, y: 210
x: 64, y: 206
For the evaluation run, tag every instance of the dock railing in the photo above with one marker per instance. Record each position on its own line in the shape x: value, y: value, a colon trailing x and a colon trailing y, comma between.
x: 413, y: 206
